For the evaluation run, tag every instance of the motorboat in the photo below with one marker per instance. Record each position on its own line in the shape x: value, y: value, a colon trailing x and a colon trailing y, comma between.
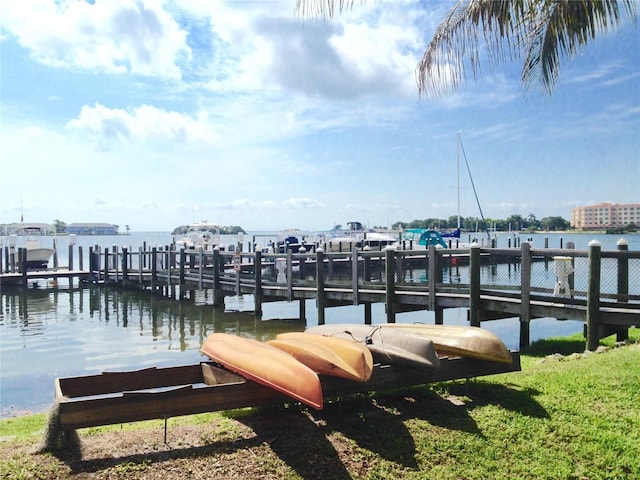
x: 358, y: 236
x: 202, y: 234
x: 38, y: 256
x: 292, y: 240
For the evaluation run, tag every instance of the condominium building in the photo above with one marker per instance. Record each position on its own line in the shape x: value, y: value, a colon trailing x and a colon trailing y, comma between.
x: 605, y: 215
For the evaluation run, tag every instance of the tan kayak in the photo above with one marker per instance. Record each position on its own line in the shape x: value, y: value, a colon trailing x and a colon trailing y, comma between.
x: 387, y: 346
x: 460, y: 340
x: 328, y: 355
x: 266, y: 365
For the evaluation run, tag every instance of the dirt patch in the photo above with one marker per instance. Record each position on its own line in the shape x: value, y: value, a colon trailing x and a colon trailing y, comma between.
x: 341, y: 442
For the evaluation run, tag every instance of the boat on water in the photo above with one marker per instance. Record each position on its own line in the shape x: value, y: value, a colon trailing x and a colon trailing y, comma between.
x: 292, y: 240
x: 332, y: 356
x: 38, y: 256
x: 203, y: 235
x: 266, y: 365
x: 358, y: 236
x: 394, y: 347
x: 426, y: 237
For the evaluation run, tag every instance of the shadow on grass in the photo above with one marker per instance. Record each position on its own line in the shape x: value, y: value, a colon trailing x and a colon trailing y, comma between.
x: 95, y: 465
x: 483, y: 393
x: 317, y: 444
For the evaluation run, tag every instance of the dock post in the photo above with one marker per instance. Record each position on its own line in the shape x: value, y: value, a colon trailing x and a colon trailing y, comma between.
x: 572, y: 275
x: 320, y: 298
x: 354, y: 275
x: 302, y: 312
x: 366, y: 269
x: 116, y: 264
x: 289, y: 275
x: 390, y: 286
x: 200, y: 266
x: 474, y: 285
x: 525, y: 294
x: 181, y: 280
x: 70, y: 257
x: 154, y: 268
x: 257, y: 294
x: 55, y: 254
x: 106, y: 265
x: 218, y: 298
x: 623, y: 272
x: 367, y: 313
x: 125, y: 266
x: 23, y: 266
x: 144, y: 248
x: 302, y: 273
x: 439, y: 316
x: 91, y: 262
x: 431, y: 277
x: 80, y: 260
x: 622, y: 333
x: 593, y: 295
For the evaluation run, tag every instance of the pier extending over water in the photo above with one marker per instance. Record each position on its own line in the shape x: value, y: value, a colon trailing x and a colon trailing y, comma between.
x: 601, y: 288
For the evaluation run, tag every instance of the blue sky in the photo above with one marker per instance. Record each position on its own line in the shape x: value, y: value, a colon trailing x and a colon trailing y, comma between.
x: 154, y: 114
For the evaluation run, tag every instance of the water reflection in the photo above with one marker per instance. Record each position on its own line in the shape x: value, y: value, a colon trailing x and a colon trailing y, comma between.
x: 49, y: 333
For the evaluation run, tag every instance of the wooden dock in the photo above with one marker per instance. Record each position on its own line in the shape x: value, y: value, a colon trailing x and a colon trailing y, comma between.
x: 600, y: 288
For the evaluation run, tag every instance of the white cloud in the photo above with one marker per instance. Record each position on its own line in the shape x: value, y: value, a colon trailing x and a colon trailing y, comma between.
x: 142, y: 123
x: 112, y: 36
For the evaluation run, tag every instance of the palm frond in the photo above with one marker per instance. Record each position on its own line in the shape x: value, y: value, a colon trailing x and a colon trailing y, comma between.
x: 458, y: 39
x: 560, y: 31
x: 540, y: 31
x: 322, y: 8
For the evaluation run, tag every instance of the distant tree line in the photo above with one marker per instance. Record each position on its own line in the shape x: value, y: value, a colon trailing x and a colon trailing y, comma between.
x: 514, y: 223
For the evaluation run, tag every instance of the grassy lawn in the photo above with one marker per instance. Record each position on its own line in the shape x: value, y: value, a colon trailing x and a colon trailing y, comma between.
x: 573, y: 416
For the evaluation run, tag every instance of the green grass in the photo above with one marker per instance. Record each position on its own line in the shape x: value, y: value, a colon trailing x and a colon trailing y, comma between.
x: 571, y: 417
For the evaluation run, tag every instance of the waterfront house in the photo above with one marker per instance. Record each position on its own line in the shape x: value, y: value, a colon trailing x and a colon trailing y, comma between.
x: 92, y: 229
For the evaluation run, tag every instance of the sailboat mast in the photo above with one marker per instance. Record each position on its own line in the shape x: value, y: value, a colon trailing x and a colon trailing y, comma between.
x: 458, y: 167
x: 474, y: 189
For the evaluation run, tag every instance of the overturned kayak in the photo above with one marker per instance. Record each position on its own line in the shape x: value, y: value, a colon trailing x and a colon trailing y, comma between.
x: 333, y: 356
x: 387, y: 346
x: 460, y: 340
x: 266, y: 365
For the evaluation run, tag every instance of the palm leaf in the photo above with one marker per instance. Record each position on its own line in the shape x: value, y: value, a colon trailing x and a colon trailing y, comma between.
x: 541, y: 32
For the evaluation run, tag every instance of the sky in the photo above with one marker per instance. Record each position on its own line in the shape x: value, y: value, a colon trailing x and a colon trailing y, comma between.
x: 153, y: 114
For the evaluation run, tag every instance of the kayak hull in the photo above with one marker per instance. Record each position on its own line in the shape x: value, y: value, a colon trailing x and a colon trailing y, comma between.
x: 336, y: 357
x: 387, y: 346
x: 461, y: 340
x: 266, y: 365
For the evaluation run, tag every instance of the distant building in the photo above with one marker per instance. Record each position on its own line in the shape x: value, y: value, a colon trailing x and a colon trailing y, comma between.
x: 605, y: 215
x: 92, y: 229
x: 15, y: 228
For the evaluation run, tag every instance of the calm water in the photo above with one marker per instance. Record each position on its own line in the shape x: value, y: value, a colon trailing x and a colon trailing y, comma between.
x: 47, y: 333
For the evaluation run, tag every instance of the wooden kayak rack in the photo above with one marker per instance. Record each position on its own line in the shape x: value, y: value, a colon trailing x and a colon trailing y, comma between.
x: 160, y: 393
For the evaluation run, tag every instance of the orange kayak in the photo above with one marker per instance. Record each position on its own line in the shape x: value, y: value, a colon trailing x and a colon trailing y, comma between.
x: 337, y: 357
x: 266, y: 365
